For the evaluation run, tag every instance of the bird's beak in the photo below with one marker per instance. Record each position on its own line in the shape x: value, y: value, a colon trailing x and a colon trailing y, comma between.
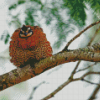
x: 25, y: 33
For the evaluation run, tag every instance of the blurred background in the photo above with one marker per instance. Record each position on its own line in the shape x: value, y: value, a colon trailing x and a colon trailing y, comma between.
x: 61, y: 21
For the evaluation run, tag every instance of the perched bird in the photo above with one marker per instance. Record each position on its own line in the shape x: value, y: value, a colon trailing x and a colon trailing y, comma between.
x: 28, y: 44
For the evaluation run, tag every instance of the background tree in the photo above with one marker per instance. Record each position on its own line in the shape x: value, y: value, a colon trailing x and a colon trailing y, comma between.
x: 63, y: 17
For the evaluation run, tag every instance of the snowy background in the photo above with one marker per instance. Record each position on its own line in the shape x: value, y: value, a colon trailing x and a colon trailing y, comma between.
x: 49, y: 80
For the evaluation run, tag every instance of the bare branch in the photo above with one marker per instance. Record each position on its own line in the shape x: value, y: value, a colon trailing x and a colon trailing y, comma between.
x: 93, y: 96
x: 89, y: 73
x: 87, y: 45
x: 86, y: 74
x: 74, y: 71
x: 86, y: 67
x: 57, y: 90
x: 90, y: 82
x: 67, y: 82
x: 34, y: 89
x: 97, y: 30
x: 71, y: 76
x: 80, y: 33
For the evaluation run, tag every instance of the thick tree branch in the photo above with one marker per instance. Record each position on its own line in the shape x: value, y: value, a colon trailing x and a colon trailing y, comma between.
x: 78, y: 63
x: 72, y: 74
x: 16, y: 76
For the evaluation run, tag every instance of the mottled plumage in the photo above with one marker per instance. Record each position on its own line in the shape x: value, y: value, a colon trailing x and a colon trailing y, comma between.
x: 28, y: 44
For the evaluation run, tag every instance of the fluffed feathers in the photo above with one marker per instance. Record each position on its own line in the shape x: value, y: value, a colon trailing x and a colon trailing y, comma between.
x: 35, y: 47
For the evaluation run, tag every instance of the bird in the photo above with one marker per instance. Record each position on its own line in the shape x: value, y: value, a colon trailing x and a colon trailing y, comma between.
x: 28, y: 45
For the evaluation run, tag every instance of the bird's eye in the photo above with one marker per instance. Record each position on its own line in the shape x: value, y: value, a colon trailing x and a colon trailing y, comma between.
x: 29, y: 31
x: 21, y: 32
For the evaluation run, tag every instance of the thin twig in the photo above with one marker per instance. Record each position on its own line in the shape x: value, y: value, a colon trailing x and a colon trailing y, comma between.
x: 90, y: 82
x: 57, y: 90
x: 86, y: 74
x: 66, y: 47
x: 66, y: 83
x: 34, y: 89
x: 97, y: 30
x: 93, y: 96
x: 86, y: 67
x: 89, y: 73
x: 74, y: 71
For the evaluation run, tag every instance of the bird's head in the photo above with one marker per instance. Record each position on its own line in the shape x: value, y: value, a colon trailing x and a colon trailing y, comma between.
x: 28, y: 37
x: 25, y: 32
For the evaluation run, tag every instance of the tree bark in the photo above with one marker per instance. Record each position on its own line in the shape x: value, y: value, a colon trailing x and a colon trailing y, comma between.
x: 91, y: 53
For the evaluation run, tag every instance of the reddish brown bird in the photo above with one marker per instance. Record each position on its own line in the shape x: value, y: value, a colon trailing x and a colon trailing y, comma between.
x: 28, y: 44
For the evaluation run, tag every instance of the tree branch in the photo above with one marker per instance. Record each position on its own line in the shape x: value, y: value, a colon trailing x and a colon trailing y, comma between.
x: 16, y: 76
x: 74, y: 71
x: 57, y: 90
x: 34, y: 89
x: 66, y: 83
x: 93, y: 96
x: 80, y: 33
x: 90, y: 82
x: 86, y: 67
